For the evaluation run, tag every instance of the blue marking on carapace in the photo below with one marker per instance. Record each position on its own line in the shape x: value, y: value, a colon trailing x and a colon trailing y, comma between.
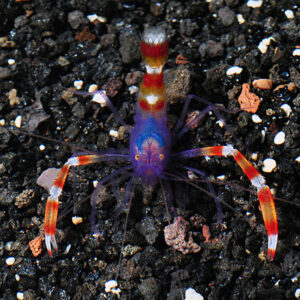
x: 150, y: 131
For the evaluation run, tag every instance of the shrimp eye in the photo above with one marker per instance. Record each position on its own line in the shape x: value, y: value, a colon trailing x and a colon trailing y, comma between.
x: 137, y: 157
x: 161, y: 156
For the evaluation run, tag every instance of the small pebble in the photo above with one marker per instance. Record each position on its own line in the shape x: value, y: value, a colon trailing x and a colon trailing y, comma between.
x: 9, y: 246
x: 297, y: 293
x: 95, y: 182
x: 221, y: 177
x: 133, y: 89
x: 94, y: 17
x: 287, y: 109
x: 220, y: 123
x: 17, y: 277
x: 254, y: 156
x: 76, y: 220
x: 112, y: 286
x: 298, y: 159
x: 269, y: 165
x: 254, y: 3
x: 262, y: 84
x: 20, y: 295
x: 10, y: 261
x: 114, y: 133
x: 11, y: 61
x: 68, y: 248
x: 42, y: 147
x: 98, y: 98
x: 289, y: 14
x: 263, y: 45
x: 296, y: 52
x: 226, y: 15
x: 270, y: 112
x: 18, y: 121
x: 256, y: 119
x: 12, y: 96
x: 2, y: 122
x: 277, y: 283
x: 78, y: 84
x: 240, y: 18
x: 279, y: 138
x: 191, y: 294
x: 93, y: 88
x: 234, y: 70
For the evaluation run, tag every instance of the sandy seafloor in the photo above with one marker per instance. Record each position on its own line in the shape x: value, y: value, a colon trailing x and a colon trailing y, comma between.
x: 42, y: 53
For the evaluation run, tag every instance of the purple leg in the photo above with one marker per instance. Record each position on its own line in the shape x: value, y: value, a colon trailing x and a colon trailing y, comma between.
x: 104, y: 181
x: 210, y: 107
x: 127, y: 197
x: 168, y: 196
x: 109, y: 104
x: 211, y: 189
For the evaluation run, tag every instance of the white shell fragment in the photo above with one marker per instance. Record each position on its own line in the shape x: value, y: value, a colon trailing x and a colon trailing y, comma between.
x: 95, y: 182
x: 20, y: 295
x: 296, y: 52
x: 11, y: 61
x: 287, y: 109
x: 279, y: 138
x: 42, y: 147
x: 76, y: 220
x: 254, y: 156
x: 78, y: 84
x: 256, y: 119
x: 112, y: 286
x: 114, y: 133
x: 297, y: 293
x: 9, y: 246
x: 298, y: 159
x: 191, y: 294
x: 98, y: 98
x: 269, y: 165
x: 234, y: 70
x: 10, y: 261
x: 289, y: 14
x: 254, y: 3
x: 68, y: 248
x: 93, y: 88
x: 18, y: 121
x: 263, y: 45
x: 220, y: 123
x: 94, y: 17
x: 133, y: 89
x: 240, y: 18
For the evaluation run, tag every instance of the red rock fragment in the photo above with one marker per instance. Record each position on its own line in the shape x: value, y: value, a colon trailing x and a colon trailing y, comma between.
x: 181, y: 60
x: 262, y: 84
x: 85, y: 35
x: 112, y: 87
x: 35, y: 246
x: 207, y: 235
x: 175, y: 236
x: 248, y: 101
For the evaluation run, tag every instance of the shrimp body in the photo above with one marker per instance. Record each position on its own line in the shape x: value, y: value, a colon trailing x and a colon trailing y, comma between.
x: 150, y: 157
x: 151, y: 138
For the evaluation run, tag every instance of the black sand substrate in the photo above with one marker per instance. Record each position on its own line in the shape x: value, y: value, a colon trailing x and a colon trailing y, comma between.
x: 47, y: 45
